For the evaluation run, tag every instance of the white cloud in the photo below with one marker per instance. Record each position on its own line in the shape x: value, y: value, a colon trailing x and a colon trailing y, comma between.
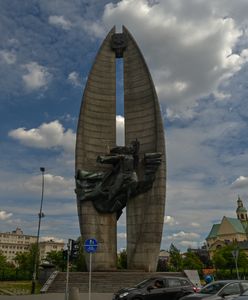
x: 190, y: 49
x: 47, y: 135
x: 120, y: 130
x: 4, y: 215
x: 53, y: 185
x: 189, y: 244
x: 241, y: 182
x: 7, y: 57
x: 92, y: 28
x: 36, y: 76
x: 122, y: 235
x: 51, y: 238
x: 183, y: 235
x: 60, y: 21
x: 74, y: 79
x: 168, y: 220
x: 194, y: 224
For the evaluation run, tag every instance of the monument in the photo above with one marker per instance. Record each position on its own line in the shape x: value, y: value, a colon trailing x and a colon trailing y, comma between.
x: 110, y: 177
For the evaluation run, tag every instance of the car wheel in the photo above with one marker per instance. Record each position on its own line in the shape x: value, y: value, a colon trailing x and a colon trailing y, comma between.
x: 137, y: 298
x: 178, y: 298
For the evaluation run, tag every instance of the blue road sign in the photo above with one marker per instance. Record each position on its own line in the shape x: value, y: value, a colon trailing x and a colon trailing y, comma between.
x: 90, y: 245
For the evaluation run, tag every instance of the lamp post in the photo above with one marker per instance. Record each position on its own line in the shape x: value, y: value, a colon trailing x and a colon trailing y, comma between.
x: 40, y: 215
x: 235, y: 254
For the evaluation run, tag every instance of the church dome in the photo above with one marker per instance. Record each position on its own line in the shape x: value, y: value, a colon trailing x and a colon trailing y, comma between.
x: 241, y: 210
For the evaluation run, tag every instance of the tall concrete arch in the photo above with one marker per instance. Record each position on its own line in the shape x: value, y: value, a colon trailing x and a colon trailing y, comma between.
x: 145, y: 213
x: 96, y: 134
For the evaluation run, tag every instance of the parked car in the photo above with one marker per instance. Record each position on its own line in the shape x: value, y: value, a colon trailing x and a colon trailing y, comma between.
x: 222, y: 289
x: 243, y: 296
x: 156, y: 288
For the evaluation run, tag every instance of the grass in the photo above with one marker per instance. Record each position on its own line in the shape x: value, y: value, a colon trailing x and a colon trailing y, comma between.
x: 17, y: 287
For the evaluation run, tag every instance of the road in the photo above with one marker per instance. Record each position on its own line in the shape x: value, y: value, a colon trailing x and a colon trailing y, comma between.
x: 59, y: 296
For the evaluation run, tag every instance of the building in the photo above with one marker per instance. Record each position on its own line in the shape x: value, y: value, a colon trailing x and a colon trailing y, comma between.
x: 15, y: 242
x: 229, y: 230
x: 48, y: 246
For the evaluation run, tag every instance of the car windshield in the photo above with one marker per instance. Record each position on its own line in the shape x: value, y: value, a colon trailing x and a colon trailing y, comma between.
x: 212, y: 288
x: 144, y: 283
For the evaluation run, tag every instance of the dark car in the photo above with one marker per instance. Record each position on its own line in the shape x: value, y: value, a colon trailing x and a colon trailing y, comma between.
x: 243, y: 296
x: 156, y: 288
x: 222, y: 289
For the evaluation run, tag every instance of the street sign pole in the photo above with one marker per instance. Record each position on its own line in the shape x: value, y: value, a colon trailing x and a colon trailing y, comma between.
x: 90, y: 276
x: 67, y: 270
x: 235, y: 254
x: 90, y: 247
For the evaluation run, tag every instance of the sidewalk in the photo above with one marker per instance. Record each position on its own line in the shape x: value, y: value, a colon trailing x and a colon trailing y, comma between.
x: 59, y: 296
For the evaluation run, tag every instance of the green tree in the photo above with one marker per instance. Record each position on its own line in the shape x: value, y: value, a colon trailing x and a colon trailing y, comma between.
x: 25, y: 260
x: 7, y: 270
x: 3, y: 260
x: 223, y: 258
x: 219, y: 261
x: 192, y: 262
x: 175, y: 260
x: 122, y: 259
x: 56, y: 258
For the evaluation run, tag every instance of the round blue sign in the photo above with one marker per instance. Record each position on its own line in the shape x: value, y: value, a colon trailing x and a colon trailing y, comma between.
x: 90, y: 245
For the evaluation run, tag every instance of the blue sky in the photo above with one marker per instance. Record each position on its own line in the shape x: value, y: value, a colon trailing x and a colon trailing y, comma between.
x: 197, y: 52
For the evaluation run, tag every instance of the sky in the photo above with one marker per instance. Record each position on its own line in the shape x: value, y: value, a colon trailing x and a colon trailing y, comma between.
x: 197, y: 53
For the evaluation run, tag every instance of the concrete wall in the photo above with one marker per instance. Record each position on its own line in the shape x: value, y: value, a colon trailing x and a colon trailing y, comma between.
x: 145, y: 213
x: 96, y: 134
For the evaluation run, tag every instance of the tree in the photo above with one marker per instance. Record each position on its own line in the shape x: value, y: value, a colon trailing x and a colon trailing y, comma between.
x: 175, y: 261
x: 162, y: 265
x: 56, y: 258
x: 25, y: 260
x: 192, y: 262
x: 223, y: 258
x: 122, y: 260
x: 219, y: 260
x: 7, y: 270
x: 3, y: 260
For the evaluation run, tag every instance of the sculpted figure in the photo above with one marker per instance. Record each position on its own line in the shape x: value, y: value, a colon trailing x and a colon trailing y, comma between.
x: 111, y: 190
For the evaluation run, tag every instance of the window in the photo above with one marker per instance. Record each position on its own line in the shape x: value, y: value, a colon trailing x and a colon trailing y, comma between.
x: 185, y: 282
x: 212, y: 288
x: 172, y: 282
x: 244, y: 285
x: 231, y: 289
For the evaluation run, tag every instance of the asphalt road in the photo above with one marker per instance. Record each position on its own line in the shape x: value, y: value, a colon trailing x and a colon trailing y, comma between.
x: 58, y: 296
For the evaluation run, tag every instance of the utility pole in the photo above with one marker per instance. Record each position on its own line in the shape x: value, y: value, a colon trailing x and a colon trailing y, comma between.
x: 40, y: 215
x: 235, y: 254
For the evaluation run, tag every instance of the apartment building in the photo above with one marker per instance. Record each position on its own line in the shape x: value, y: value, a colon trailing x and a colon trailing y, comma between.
x: 48, y: 246
x: 16, y: 241
x: 13, y: 242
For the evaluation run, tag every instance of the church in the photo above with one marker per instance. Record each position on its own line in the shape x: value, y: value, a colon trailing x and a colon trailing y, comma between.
x: 230, y: 230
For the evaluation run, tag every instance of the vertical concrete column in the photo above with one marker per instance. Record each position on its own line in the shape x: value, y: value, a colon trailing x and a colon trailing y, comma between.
x: 96, y: 134
x: 145, y: 213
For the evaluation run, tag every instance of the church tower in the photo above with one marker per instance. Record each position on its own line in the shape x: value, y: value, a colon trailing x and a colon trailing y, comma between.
x: 241, y: 211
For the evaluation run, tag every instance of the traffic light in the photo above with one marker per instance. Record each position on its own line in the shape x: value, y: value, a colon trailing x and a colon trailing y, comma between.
x: 64, y: 254
x: 74, y: 249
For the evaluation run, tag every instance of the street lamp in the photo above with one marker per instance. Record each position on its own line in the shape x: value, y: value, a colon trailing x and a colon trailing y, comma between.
x: 235, y: 254
x: 40, y: 215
